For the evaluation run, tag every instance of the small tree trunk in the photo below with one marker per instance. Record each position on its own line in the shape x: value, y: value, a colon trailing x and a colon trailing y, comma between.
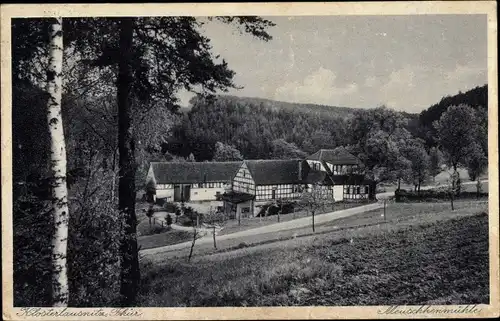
x: 399, y: 183
x: 313, y: 221
x: 195, y: 234
x: 59, y: 188
x: 385, y: 204
x: 215, y: 244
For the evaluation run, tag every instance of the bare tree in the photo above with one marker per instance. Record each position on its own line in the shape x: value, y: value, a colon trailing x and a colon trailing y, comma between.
x: 196, y: 235
x: 316, y: 199
x: 215, y: 220
x: 58, y: 161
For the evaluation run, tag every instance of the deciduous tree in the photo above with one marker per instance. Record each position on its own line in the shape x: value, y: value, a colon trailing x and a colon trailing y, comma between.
x: 225, y: 153
x: 435, y: 158
x: 315, y: 199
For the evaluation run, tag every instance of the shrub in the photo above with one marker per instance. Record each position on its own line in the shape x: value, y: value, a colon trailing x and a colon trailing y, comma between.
x: 242, y: 245
x: 432, y: 195
x: 161, y: 201
x: 286, y: 208
x: 168, y: 220
x: 171, y: 207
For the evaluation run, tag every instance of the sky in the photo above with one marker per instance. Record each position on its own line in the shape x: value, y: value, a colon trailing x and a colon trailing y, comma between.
x: 407, y: 62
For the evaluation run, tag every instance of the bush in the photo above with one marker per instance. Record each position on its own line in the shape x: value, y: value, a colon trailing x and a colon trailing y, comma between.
x: 161, y: 201
x: 242, y: 245
x: 168, y: 220
x: 286, y: 208
x: 432, y: 195
x: 171, y: 207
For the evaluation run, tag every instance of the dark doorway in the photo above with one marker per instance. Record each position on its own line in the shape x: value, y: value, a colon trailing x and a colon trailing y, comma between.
x: 186, y: 193
x: 177, y: 193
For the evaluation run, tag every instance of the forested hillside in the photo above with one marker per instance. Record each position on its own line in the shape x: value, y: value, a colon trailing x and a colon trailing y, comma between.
x: 476, y: 97
x: 255, y: 126
x: 329, y: 111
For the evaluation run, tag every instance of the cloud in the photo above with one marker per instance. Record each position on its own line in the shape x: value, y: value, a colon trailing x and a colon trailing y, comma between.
x: 413, y: 88
x: 318, y: 87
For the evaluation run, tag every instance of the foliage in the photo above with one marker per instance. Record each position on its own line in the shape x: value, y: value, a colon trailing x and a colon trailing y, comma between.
x: 476, y: 162
x: 457, y: 132
x: 191, y: 158
x: 477, y: 98
x: 432, y: 195
x: 94, y: 241
x: 376, y: 137
x: 252, y: 127
x: 282, y: 206
x: 32, y: 236
x: 316, y: 199
x: 168, y: 219
x: 435, y: 159
x: 226, y: 153
x: 281, y: 149
x: 419, y: 159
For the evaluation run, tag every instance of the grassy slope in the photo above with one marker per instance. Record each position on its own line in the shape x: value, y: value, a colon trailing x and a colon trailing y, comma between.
x: 165, y: 238
x: 398, y: 215
x: 232, y: 226
x: 439, y: 263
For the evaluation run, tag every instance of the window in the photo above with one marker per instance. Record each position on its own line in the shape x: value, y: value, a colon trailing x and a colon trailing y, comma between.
x: 245, y: 210
x: 244, y: 173
x: 358, y: 190
x: 347, y: 189
x: 366, y: 189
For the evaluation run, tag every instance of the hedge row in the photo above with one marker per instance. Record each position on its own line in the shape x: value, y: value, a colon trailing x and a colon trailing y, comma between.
x: 428, y: 195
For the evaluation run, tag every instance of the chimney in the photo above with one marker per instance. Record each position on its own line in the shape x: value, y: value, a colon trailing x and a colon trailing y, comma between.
x: 300, y: 170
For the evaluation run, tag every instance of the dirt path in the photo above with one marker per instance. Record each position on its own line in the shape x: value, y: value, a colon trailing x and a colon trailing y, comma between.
x: 272, y: 228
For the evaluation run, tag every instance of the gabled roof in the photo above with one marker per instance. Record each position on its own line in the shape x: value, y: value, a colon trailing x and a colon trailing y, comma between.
x: 312, y: 176
x: 194, y: 172
x: 338, y: 156
x: 268, y: 172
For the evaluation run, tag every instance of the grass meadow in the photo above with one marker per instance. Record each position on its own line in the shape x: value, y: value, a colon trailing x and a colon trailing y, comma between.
x: 415, y: 261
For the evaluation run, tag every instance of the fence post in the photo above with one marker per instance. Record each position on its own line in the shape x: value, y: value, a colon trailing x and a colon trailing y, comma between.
x: 385, y: 200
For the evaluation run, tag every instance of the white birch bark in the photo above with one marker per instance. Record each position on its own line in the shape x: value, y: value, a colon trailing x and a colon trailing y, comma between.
x: 57, y: 166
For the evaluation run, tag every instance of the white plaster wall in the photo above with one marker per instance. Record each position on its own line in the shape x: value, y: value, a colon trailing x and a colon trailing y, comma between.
x: 338, y: 193
x: 205, y: 194
x: 164, y: 193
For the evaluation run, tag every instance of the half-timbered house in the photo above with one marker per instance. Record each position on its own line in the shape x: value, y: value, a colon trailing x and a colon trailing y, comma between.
x: 248, y: 184
x: 189, y: 181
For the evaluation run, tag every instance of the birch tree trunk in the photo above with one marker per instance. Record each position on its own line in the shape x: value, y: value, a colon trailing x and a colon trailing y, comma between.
x: 130, y: 273
x: 57, y: 166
